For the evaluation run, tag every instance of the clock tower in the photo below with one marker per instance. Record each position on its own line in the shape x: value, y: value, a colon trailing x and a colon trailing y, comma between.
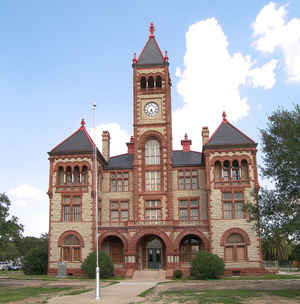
x: 152, y: 134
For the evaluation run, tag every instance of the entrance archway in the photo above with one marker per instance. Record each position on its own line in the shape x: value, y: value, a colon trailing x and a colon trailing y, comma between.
x: 151, y: 253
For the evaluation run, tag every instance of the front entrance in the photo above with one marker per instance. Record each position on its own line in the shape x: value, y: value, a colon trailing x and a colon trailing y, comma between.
x: 151, y: 253
x: 154, y: 258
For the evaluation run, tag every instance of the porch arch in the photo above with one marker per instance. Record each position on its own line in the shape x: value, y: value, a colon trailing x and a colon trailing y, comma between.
x: 183, y: 234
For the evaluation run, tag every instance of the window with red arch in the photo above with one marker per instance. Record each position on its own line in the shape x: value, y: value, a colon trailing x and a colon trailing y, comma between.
x: 71, y: 249
x: 235, y: 248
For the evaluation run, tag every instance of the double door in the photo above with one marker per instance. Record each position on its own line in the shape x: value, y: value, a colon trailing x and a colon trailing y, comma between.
x: 154, y: 258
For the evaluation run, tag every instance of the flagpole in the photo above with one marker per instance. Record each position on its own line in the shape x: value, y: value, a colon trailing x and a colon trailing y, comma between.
x: 96, y: 207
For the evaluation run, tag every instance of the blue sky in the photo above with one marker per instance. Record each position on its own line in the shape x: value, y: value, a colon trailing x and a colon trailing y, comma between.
x: 58, y: 57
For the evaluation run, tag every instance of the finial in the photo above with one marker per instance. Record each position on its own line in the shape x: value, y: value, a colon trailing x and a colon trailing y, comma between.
x: 166, y: 58
x: 224, y: 116
x: 134, y: 58
x: 152, y: 29
x: 185, y: 136
x: 82, y: 123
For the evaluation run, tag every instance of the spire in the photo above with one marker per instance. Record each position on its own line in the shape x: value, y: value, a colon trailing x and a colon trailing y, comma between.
x: 151, y: 53
x: 134, y: 58
x: 151, y: 30
x: 224, y: 116
x: 82, y: 123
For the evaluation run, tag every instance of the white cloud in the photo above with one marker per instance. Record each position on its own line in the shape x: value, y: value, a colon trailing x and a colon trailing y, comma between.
x: 211, y: 79
x: 265, y: 76
x: 31, y: 206
x: 118, y: 137
x: 273, y: 31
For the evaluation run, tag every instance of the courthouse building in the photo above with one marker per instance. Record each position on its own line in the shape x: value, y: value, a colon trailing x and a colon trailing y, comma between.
x: 157, y: 206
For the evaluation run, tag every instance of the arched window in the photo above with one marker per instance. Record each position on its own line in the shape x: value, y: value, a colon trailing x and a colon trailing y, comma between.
x: 225, y: 171
x: 150, y: 82
x: 235, y: 170
x: 218, y: 170
x: 158, y: 82
x: 71, y: 248
x: 245, y: 172
x: 61, y: 176
x: 76, y: 175
x: 143, y: 83
x: 69, y: 175
x: 235, y: 248
x: 152, y: 152
x: 189, y: 246
x: 84, y: 175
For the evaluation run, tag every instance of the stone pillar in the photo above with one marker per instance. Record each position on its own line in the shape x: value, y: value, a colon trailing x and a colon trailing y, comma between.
x: 205, y: 135
x: 105, y: 145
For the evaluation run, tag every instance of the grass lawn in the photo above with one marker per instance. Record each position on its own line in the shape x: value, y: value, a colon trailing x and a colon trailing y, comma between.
x: 255, y: 278
x: 19, y: 275
x: 219, y: 296
x: 21, y: 293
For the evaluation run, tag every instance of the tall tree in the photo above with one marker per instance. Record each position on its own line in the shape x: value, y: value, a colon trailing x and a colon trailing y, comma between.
x: 10, y: 229
x: 278, y: 210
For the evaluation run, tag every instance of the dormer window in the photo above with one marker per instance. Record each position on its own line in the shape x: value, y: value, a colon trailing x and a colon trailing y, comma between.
x: 143, y: 83
x: 158, y: 82
x: 225, y: 171
x: 150, y: 82
x: 235, y: 171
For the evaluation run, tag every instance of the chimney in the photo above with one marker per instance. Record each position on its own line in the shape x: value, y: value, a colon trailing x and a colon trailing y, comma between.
x: 205, y: 135
x: 105, y: 145
x: 130, y: 145
x: 186, y: 144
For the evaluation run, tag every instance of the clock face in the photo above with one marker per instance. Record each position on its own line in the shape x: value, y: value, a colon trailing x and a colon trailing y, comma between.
x: 151, y: 109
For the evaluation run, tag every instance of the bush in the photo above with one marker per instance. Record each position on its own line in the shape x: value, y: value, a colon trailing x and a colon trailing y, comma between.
x: 36, y: 261
x: 177, y: 274
x: 207, y: 265
x: 105, y: 264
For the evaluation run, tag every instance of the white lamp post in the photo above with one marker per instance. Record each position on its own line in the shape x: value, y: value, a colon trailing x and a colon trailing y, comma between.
x: 96, y: 212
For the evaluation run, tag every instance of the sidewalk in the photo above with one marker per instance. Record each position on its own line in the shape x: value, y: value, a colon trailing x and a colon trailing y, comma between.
x: 121, y: 293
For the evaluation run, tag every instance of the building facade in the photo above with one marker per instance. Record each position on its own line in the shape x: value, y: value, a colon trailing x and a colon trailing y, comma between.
x: 156, y: 207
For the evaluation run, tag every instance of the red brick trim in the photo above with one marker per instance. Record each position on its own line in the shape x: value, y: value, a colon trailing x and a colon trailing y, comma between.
x: 151, y: 231
x: 184, y: 233
x: 234, y: 230
x: 64, y: 234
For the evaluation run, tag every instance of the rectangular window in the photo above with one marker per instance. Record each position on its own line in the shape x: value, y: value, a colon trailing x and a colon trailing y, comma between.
x: 153, y: 210
x: 189, y: 209
x: 119, y: 181
x: 76, y: 213
x: 233, y: 205
x: 187, y: 179
x: 76, y: 254
x: 119, y: 211
x: 66, y: 254
x: 71, y: 208
x: 152, y: 180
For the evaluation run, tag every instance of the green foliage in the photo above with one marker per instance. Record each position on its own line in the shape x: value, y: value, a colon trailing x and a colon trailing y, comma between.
x: 27, y: 243
x: 10, y: 229
x: 105, y: 264
x: 207, y: 265
x: 295, y: 256
x: 35, y: 261
x: 276, y: 247
x: 177, y: 274
x: 277, y: 214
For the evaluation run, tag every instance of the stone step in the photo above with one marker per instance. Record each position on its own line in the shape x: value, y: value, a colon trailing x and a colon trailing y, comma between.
x: 149, y: 275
